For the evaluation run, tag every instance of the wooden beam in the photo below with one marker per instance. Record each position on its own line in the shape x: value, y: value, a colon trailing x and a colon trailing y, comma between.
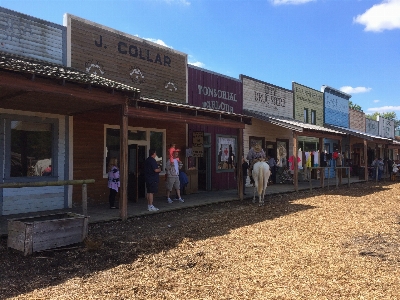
x: 296, y: 167
x: 239, y: 172
x: 123, y: 200
x: 322, y: 171
x: 157, y: 115
x: 365, y: 161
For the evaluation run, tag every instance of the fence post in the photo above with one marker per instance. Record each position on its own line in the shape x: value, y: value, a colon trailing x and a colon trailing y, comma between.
x: 84, y: 199
x: 348, y: 176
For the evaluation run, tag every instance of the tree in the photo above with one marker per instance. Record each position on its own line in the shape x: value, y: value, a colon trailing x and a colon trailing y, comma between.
x: 355, y: 106
x: 387, y: 115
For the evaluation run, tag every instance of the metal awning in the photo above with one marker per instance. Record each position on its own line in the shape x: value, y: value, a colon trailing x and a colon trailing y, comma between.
x: 350, y: 131
x: 290, y: 123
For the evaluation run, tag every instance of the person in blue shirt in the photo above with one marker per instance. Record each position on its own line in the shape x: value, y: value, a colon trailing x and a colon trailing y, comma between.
x: 151, y: 175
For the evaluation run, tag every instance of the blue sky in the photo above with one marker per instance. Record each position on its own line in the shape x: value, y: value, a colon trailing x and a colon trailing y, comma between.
x: 350, y: 45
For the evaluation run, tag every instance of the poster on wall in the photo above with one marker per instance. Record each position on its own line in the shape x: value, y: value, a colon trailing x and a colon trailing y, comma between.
x: 255, y: 140
x: 198, y: 144
x: 226, y: 149
x: 281, y: 154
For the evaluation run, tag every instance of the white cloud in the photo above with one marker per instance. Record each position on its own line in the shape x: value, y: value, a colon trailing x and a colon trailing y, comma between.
x: 355, y: 90
x: 376, y: 101
x: 183, y: 2
x: 282, y: 2
x: 197, y: 64
x: 383, y: 16
x: 158, y: 41
x: 388, y: 108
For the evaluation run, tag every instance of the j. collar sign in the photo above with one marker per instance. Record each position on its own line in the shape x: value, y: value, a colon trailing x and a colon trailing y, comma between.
x: 138, y: 52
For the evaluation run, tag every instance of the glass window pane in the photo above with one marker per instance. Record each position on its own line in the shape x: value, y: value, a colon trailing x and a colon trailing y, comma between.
x: 156, y: 142
x: 31, y: 149
x: 112, y: 144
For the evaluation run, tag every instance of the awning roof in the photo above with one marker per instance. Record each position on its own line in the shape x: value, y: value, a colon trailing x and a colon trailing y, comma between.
x: 290, y: 123
x: 62, y: 90
x: 350, y: 131
x: 37, y: 67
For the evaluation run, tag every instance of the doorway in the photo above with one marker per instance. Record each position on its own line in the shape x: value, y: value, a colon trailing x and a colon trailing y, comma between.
x: 204, y: 170
x: 136, y: 180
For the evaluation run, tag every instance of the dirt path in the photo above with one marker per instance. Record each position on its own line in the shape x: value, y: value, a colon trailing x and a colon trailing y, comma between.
x: 344, y: 244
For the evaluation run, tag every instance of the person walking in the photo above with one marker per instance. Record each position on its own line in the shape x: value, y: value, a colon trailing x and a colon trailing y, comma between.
x: 113, y: 181
x: 172, y: 180
x: 378, y: 164
x: 152, y: 178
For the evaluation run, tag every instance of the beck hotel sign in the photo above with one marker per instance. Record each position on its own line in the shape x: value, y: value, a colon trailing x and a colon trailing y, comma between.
x: 159, y: 72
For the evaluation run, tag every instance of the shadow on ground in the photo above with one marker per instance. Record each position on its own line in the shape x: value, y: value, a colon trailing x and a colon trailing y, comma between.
x: 114, y: 243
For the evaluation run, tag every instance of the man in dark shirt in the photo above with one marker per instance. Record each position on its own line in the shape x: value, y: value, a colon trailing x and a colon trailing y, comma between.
x: 152, y: 178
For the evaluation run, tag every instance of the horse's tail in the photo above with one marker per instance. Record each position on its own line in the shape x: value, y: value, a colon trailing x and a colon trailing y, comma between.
x: 260, y: 186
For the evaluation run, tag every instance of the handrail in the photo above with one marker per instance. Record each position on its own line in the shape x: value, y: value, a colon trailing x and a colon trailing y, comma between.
x: 45, y: 183
x: 84, y: 183
x: 322, y: 175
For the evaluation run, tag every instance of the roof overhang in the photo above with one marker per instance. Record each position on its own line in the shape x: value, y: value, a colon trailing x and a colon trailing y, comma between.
x: 38, y: 86
x: 303, y: 129
x: 350, y: 131
x: 145, y: 108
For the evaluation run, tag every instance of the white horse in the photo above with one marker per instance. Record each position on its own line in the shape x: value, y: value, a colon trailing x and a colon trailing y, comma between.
x: 261, y: 173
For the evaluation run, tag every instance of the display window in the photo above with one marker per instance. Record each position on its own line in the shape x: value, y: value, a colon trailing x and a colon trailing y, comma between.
x: 30, y: 147
x: 226, y: 153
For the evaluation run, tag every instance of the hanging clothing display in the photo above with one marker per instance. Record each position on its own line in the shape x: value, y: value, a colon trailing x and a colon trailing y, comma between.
x: 316, y: 158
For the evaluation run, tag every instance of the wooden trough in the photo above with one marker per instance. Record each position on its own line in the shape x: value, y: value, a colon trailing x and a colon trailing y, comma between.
x: 39, y: 233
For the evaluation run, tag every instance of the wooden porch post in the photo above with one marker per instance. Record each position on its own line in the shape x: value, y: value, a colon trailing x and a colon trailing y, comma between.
x: 123, y: 200
x: 239, y: 172
x: 322, y: 170
x: 365, y: 160
x: 295, y: 164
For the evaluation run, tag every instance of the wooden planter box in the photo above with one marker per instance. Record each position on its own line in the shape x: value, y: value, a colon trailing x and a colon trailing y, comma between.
x: 39, y: 233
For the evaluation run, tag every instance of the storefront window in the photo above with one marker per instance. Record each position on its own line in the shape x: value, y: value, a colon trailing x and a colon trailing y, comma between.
x: 226, y: 153
x: 156, y: 142
x: 144, y: 138
x: 31, y: 149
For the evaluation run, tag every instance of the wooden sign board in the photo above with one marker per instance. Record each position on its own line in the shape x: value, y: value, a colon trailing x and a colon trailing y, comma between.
x: 198, y: 144
x: 158, y: 71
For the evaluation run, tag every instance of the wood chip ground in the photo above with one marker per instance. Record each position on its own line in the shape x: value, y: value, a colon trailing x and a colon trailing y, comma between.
x: 326, y: 244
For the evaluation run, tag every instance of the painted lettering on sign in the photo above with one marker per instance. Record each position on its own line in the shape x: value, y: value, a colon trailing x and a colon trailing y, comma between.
x: 208, y: 91
x: 137, y: 52
x: 15, y: 29
x: 269, y: 99
x: 217, y: 105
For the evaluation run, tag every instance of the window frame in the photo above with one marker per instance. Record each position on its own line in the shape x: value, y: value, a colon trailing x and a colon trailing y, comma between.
x: 313, y: 117
x: 235, y: 143
x: 5, y: 151
x: 305, y: 115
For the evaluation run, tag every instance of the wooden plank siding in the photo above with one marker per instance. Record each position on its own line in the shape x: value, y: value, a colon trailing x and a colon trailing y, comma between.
x: 32, y: 37
x: 116, y: 55
x: 215, y: 91
x: 88, y: 149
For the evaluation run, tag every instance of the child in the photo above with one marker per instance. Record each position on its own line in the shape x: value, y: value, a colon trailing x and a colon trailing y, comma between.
x: 171, y: 151
x: 113, y: 181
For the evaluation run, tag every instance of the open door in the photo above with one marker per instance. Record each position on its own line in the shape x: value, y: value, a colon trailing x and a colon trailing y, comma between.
x: 133, y: 172
x: 136, y: 180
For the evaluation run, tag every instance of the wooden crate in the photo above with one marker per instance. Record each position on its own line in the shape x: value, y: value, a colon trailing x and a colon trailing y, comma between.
x: 39, y: 233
